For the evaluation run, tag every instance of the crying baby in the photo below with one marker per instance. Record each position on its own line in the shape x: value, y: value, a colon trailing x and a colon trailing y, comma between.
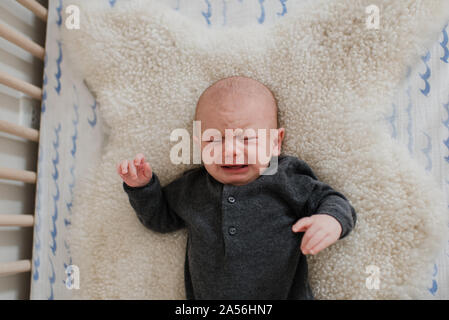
x: 248, y: 232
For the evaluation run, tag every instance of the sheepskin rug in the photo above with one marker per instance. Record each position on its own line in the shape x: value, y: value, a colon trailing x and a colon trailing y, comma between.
x: 333, y: 77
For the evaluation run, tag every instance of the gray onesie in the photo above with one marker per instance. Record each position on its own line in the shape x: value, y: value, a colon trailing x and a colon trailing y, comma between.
x: 240, y: 241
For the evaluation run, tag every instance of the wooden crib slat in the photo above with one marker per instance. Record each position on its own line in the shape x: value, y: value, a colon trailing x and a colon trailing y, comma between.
x: 20, y: 85
x: 20, y: 40
x: 35, y: 7
x: 19, y: 175
x: 20, y: 131
x: 16, y: 220
x: 8, y: 268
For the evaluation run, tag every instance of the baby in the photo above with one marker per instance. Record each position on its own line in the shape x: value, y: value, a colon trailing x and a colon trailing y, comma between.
x: 244, y: 227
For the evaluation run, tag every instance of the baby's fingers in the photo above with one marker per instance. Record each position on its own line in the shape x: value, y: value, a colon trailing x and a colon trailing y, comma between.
x: 139, y: 160
x: 323, y: 244
x: 309, y: 242
x: 122, y: 167
x: 147, y: 172
x: 132, y: 170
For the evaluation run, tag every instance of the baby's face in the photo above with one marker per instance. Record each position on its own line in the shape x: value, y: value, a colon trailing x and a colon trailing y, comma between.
x: 242, y: 146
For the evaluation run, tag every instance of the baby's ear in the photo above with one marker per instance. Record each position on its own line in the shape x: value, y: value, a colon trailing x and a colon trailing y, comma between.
x: 277, y: 141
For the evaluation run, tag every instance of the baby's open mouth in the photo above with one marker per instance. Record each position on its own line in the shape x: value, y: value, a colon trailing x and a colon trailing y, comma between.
x: 235, y: 166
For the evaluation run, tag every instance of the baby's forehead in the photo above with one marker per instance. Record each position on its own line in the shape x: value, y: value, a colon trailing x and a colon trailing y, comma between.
x: 236, y: 86
x: 239, y: 95
x: 234, y: 102
x: 238, y: 132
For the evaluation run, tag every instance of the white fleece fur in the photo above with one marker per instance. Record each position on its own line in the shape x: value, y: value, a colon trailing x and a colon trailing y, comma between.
x: 147, y: 65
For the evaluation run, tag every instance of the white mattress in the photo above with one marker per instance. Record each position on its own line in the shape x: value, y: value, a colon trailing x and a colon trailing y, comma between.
x: 72, y: 132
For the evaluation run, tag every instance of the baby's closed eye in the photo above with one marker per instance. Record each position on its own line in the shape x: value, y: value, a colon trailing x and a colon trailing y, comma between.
x: 245, y: 139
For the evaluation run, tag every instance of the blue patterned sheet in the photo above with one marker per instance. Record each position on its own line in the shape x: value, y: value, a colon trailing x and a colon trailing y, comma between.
x: 71, y: 133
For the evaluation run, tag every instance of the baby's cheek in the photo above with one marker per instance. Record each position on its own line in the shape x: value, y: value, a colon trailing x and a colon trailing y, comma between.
x: 251, y: 154
x: 262, y: 150
x: 212, y: 153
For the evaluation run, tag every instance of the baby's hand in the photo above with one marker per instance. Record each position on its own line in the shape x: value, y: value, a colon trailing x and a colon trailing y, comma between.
x: 135, y: 173
x: 322, y: 230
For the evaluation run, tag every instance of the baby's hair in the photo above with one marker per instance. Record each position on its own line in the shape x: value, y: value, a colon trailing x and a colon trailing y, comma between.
x: 239, y: 84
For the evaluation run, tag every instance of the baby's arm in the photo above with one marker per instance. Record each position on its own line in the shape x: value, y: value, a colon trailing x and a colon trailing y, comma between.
x: 147, y: 197
x: 325, y: 200
x: 329, y: 214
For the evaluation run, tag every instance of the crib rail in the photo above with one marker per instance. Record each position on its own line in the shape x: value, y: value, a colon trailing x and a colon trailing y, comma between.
x: 18, y: 175
x: 14, y: 220
x: 20, y: 131
x: 22, y: 41
x: 9, y: 268
x: 20, y: 85
x: 40, y: 11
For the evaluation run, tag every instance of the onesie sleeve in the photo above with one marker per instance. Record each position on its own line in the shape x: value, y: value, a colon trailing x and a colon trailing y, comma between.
x: 323, y: 199
x: 152, y: 208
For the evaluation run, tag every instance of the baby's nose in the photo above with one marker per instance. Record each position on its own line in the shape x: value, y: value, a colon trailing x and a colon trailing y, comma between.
x: 231, y: 152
